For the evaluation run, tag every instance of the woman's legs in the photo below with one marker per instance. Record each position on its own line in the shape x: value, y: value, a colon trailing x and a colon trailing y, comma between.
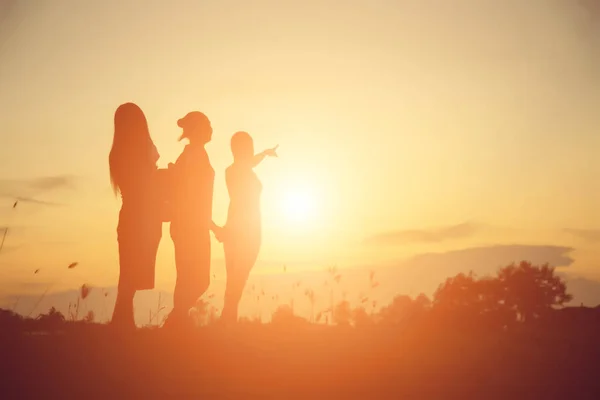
x: 236, y: 281
x: 192, y: 260
x: 123, y: 312
x: 239, y: 260
x: 137, y: 260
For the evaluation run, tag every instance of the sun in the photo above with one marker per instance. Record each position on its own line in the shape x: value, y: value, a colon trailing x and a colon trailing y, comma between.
x: 299, y: 206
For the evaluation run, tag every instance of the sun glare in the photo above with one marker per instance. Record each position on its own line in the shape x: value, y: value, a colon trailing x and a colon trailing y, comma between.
x: 299, y: 206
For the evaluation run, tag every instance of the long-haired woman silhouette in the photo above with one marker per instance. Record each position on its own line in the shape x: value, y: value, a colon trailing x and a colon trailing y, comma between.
x: 132, y: 163
x: 241, y: 235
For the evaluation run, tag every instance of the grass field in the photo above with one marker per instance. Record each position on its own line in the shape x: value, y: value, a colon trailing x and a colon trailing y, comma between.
x: 299, y: 362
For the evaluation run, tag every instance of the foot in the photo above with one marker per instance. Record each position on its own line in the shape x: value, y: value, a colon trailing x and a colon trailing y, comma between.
x: 178, y: 321
x: 122, y: 326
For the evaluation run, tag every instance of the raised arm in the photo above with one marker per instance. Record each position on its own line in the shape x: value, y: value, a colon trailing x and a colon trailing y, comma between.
x: 258, y: 158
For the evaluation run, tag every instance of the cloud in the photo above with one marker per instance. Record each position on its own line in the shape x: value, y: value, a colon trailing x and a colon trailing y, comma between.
x: 12, y: 229
x: 463, y: 230
x: 52, y: 182
x: 590, y: 235
x: 21, y: 199
x: 16, y: 200
x: 26, y: 190
x: 477, y: 258
x: 39, y: 184
x: 26, y: 288
x: 6, y: 248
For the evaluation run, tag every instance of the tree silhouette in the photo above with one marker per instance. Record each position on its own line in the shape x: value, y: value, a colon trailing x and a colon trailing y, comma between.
x: 403, y: 310
x: 518, y: 293
x: 10, y: 319
x: 460, y: 297
x: 361, y: 318
x: 284, y: 316
x: 52, y: 320
x: 342, y: 314
x: 531, y: 291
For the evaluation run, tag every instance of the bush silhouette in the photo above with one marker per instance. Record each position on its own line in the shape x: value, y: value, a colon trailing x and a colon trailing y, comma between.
x: 52, y: 320
x: 517, y: 294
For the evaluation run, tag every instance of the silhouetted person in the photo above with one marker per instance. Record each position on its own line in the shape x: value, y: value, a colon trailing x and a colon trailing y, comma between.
x: 132, y: 163
x: 241, y: 235
x: 192, y: 178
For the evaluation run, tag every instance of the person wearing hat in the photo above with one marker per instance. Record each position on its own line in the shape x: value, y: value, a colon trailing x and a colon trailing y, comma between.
x: 191, y: 184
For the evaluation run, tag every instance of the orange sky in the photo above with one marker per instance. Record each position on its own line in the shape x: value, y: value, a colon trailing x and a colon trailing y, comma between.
x: 395, y: 116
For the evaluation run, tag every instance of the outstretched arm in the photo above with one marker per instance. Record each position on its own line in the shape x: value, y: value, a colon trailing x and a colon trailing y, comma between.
x: 258, y: 158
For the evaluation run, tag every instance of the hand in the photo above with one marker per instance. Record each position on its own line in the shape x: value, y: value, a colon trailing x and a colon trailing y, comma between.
x: 218, y: 232
x: 219, y: 235
x: 271, y: 152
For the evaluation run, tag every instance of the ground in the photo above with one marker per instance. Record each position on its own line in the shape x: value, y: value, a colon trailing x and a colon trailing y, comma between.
x: 270, y: 362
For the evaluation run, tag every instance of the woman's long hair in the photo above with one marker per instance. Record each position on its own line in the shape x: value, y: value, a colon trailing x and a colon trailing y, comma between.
x: 132, y: 147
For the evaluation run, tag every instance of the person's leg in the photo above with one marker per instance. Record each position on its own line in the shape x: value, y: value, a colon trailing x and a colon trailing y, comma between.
x: 137, y: 263
x: 231, y: 299
x: 239, y: 260
x: 200, y: 275
x: 181, y: 266
x: 123, y: 311
x: 147, y: 260
x: 192, y: 260
x: 195, y: 272
x: 234, y: 289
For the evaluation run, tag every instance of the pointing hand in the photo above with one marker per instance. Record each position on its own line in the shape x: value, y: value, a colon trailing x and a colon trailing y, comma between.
x: 272, y: 152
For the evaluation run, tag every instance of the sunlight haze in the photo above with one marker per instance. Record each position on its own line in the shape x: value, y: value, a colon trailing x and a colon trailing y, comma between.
x: 407, y: 130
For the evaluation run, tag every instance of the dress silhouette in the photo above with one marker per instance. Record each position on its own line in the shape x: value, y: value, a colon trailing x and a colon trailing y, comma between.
x: 241, y: 235
x: 191, y: 179
x: 132, y: 163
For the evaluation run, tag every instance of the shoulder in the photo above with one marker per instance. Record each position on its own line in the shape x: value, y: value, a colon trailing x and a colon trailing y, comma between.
x: 234, y: 173
x: 193, y: 154
x: 197, y: 150
x: 200, y: 157
x: 230, y: 172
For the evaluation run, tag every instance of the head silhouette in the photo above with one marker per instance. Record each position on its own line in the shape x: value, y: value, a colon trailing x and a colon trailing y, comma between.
x: 132, y: 146
x: 242, y: 148
x: 196, y: 127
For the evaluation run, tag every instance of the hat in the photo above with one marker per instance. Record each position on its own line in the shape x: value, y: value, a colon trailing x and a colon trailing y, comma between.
x: 192, y: 119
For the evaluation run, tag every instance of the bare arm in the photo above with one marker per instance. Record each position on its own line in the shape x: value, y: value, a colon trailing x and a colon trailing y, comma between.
x: 258, y: 158
x: 220, y: 231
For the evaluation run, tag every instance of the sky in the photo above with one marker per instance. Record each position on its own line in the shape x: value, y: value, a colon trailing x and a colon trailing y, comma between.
x: 428, y: 137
